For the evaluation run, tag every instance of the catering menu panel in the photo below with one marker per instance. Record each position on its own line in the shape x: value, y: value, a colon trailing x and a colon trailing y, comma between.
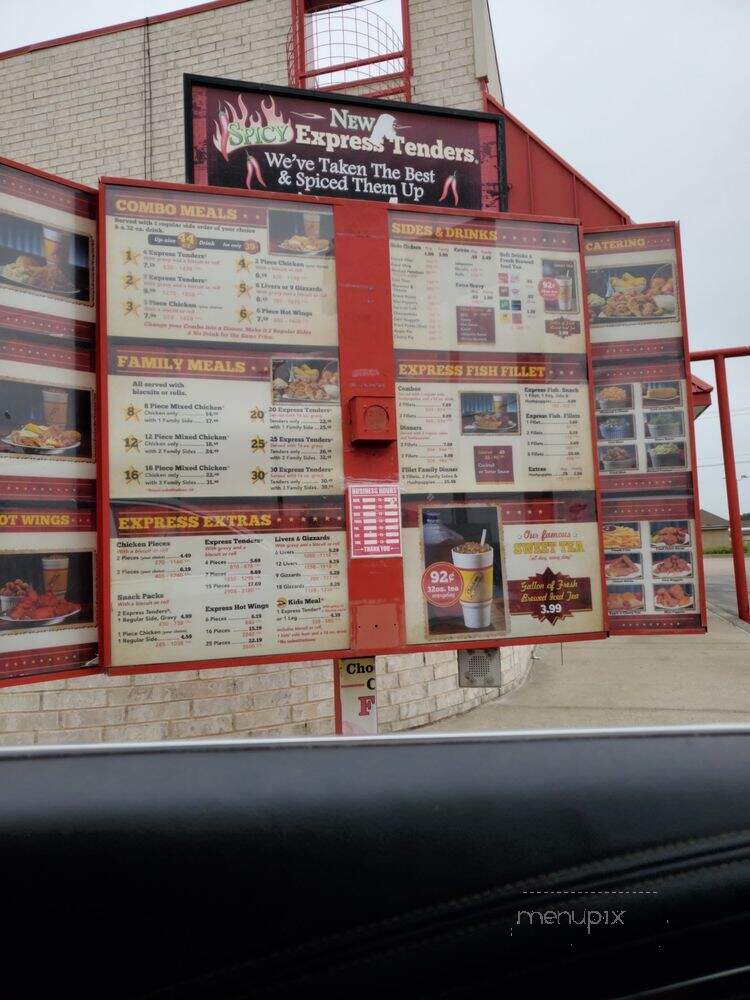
x: 225, y: 465
x: 496, y: 459
x: 644, y: 424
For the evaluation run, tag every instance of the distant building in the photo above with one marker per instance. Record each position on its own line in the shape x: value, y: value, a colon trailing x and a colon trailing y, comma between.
x: 715, y: 531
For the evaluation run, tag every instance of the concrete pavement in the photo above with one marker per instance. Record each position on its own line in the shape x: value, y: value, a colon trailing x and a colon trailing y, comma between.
x: 720, y: 582
x: 631, y: 681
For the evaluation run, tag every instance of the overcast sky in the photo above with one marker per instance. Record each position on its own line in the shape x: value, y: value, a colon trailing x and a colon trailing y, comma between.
x: 648, y: 100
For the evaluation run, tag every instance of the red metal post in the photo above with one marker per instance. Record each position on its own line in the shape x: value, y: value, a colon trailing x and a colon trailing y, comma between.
x: 733, y: 499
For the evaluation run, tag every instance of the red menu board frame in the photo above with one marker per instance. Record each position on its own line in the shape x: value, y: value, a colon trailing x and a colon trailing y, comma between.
x: 653, y: 355
x: 375, y: 586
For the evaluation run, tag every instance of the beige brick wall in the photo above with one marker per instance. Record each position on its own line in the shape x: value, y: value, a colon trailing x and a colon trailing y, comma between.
x: 80, y: 110
x: 272, y: 701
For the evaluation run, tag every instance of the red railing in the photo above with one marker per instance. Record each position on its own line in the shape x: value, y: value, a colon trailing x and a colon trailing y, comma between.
x: 719, y: 357
x: 349, y: 47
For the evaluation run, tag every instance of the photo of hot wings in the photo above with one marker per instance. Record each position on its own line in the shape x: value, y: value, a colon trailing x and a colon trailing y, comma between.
x: 45, y: 589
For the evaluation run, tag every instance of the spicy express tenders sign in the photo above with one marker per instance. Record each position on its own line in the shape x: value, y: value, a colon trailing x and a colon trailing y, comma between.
x: 275, y: 139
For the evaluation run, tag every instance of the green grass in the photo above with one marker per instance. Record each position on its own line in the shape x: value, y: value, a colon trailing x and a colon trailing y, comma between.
x: 725, y: 551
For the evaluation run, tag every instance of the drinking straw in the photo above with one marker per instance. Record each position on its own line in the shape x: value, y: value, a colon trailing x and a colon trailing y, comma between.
x: 484, y: 535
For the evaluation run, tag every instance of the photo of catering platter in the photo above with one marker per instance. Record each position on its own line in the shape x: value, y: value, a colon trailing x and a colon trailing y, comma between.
x: 650, y: 566
x: 47, y: 254
x: 500, y: 568
x: 636, y: 293
x: 46, y: 421
x: 642, y: 427
x: 633, y: 300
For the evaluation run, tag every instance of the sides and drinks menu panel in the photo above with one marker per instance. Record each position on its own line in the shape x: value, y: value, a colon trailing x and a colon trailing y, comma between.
x: 227, y: 527
x: 496, y: 459
x: 644, y: 430
x: 48, y: 616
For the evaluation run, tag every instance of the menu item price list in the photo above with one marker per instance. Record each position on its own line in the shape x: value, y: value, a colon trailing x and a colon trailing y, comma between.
x: 240, y: 590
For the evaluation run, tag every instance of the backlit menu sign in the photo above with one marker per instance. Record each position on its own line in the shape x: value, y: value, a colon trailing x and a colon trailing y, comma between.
x: 48, y: 619
x: 264, y: 138
x: 224, y: 458
x: 644, y: 430
x: 496, y: 460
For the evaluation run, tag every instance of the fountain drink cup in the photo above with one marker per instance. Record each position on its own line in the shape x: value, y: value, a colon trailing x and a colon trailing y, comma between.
x: 55, y: 402
x: 565, y: 294
x: 55, y: 574
x: 474, y: 561
x: 55, y: 246
x: 311, y: 222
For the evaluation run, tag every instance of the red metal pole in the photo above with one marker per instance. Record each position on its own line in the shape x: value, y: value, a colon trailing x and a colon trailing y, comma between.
x: 733, y: 499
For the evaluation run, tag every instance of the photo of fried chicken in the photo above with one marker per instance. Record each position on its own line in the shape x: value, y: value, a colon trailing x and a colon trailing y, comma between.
x: 623, y: 567
x: 674, y: 597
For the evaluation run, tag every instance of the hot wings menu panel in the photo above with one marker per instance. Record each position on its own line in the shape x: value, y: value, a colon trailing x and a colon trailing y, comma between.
x: 645, y: 446
x: 223, y: 388
x: 494, y: 427
x: 47, y: 424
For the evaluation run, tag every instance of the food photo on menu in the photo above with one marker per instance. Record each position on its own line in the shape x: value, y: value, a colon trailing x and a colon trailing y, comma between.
x: 46, y: 590
x: 625, y: 598
x: 45, y: 420
x: 619, y: 428
x: 637, y: 292
x: 656, y: 395
x: 621, y: 537
x: 664, y: 424
x: 618, y: 458
x: 667, y: 455
x: 669, y: 534
x: 462, y: 580
x: 623, y: 567
x: 305, y: 380
x: 490, y: 413
x: 614, y: 397
x: 300, y: 233
x: 45, y: 259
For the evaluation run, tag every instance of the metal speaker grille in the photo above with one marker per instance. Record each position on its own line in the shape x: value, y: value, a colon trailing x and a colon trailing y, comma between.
x: 479, y: 668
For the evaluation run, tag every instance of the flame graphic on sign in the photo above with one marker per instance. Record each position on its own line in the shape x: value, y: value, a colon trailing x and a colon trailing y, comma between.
x: 229, y: 115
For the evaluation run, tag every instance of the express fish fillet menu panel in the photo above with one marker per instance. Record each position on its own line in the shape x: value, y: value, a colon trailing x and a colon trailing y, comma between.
x: 223, y: 388
x: 496, y: 461
x: 644, y: 416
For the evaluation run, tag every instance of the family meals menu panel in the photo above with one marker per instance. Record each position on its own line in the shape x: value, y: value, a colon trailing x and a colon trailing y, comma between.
x: 496, y: 460
x: 227, y: 532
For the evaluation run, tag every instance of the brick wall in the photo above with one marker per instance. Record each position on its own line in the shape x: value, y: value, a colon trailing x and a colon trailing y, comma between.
x: 80, y: 110
x: 271, y: 701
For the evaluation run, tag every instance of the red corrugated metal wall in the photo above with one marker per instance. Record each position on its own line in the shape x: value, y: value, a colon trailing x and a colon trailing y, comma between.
x: 541, y: 183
